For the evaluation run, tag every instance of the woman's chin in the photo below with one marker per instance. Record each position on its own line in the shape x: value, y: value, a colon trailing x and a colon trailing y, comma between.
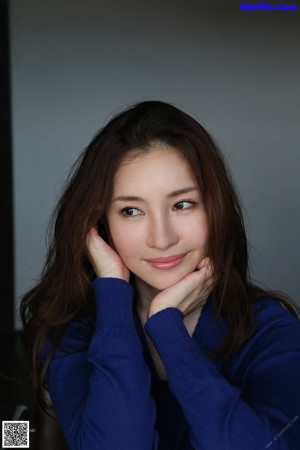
x: 162, y: 281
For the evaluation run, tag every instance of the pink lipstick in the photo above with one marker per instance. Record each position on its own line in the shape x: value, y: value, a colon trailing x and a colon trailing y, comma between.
x: 166, y: 263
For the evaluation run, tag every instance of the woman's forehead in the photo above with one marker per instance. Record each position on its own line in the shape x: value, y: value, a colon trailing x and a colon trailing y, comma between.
x: 161, y: 166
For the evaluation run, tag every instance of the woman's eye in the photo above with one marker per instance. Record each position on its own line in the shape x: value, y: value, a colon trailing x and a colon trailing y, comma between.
x: 130, y: 212
x: 185, y: 204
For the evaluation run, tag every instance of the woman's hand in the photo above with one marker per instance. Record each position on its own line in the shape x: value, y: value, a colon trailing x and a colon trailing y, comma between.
x: 105, y: 261
x: 188, y: 294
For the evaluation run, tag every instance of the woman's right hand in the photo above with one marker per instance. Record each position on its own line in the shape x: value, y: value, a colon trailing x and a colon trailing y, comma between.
x: 105, y: 261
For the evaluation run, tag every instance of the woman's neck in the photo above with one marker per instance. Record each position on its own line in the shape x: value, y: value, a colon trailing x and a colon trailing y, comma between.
x: 144, y: 295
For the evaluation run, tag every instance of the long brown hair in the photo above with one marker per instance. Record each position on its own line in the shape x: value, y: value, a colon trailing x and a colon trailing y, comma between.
x: 64, y: 290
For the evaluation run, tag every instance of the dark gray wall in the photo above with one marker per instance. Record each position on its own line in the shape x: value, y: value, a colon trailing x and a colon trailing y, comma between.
x: 74, y: 63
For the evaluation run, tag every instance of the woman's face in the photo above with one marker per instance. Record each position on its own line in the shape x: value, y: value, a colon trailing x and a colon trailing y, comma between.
x: 156, y: 217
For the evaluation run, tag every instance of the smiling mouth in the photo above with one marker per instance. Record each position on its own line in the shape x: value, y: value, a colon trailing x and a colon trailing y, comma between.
x: 166, y: 263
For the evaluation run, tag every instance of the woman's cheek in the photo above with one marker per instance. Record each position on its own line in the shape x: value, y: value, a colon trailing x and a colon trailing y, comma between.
x: 124, y: 239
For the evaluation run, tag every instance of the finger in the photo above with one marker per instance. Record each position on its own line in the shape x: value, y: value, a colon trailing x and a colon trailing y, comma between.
x: 94, y: 241
x: 91, y: 236
x: 206, y: 267
x: 95, y: 247
x: 202, y: 263
x: 205, y: 262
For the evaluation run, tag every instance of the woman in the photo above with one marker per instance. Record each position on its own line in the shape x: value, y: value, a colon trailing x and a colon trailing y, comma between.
x: 145, y: 327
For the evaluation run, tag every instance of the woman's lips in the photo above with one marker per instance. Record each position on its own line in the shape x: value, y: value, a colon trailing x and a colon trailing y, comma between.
x: 166, y: 263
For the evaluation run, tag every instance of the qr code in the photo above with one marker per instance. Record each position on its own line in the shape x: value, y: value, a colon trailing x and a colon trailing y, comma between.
x: 15, y: 434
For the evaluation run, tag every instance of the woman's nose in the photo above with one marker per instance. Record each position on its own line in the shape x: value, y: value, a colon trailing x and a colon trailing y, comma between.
x: 162, y: 233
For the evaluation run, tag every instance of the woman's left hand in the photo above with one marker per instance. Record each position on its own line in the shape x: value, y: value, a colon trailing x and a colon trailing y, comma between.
x: 188, y: 294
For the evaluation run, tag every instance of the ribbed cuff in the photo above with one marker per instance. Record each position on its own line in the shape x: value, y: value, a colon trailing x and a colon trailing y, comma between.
x: 114, y: 299
x: 170, y: 336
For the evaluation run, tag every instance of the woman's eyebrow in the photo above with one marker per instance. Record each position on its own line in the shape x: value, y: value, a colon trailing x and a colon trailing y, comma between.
x: 182, y: 191
x: 134, y: 198
x: 128, y: 198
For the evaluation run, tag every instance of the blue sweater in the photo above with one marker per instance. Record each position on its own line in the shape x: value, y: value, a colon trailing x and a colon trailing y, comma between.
x: 108, y: 396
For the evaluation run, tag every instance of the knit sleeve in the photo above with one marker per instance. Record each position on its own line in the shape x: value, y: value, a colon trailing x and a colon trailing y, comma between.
x: 101, y: 388
x: 261, y: 410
